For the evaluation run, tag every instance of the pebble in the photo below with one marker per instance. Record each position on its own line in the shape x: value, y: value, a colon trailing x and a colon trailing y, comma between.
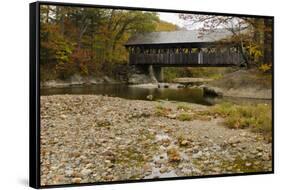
x: 86, y: 172
x: 229, y: 168
x: 147, y: 167
x: 90, y: 165
x: 259, y: 154
x: 197, y: 155
x: 184, y: 142
x: 216, y: 169
x: 109, y: 177
x: 69, y: 173
x: 63, y: 116
x: 110, y: 146
x: 76, y: 180
x: 172, y: 116
x: 163, y: 170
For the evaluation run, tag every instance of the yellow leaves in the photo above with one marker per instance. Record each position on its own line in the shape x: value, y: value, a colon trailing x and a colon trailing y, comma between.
x: 255, y: 51
x: 265, y: 67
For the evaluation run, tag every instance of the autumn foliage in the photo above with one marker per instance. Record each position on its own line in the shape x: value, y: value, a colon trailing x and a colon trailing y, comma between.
x: 87, y: 41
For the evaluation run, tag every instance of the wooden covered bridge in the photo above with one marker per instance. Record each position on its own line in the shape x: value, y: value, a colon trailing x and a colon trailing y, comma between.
x: 187, y: 48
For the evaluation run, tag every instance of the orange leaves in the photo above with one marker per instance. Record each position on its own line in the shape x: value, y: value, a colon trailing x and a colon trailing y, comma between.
x: 82, y: 59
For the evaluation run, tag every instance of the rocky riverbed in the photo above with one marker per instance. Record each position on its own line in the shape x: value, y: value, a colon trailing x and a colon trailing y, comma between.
x: 92, y: 138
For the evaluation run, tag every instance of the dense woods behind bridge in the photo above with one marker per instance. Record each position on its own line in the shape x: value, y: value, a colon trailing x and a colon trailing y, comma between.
x: 90, y: 41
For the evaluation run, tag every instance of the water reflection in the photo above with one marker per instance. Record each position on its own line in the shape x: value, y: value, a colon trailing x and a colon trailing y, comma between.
x: 192, y: 95
x: 131, y: 92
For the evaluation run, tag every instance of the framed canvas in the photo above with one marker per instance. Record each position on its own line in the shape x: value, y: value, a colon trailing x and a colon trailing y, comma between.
x: 126, y: 94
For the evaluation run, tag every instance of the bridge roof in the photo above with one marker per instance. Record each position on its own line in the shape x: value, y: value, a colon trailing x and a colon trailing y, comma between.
x: 178, y: 37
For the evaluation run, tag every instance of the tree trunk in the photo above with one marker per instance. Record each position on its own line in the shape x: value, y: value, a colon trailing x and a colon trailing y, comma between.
x: 47, y: 13
x: 244, y: 55
x: 267, y: 43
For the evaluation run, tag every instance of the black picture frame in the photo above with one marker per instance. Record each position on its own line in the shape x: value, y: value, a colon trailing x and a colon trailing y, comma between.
x: 34, y: 92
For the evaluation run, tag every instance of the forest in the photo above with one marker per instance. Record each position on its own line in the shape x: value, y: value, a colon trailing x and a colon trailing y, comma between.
x: 90, y: 41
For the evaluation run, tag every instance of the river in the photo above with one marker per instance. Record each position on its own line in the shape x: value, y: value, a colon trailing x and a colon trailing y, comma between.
x: 191, y: 95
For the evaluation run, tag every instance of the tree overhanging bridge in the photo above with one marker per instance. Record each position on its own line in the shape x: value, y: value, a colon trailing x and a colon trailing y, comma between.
x: 187, y: 48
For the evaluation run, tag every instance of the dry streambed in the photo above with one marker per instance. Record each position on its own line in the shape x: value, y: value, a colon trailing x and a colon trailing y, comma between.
x: 90, y: 138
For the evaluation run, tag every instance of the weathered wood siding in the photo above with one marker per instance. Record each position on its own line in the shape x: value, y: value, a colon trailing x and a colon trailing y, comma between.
x: 169, y: 59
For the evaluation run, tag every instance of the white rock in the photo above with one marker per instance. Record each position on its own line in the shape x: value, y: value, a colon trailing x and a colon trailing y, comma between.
x: 86, y: 172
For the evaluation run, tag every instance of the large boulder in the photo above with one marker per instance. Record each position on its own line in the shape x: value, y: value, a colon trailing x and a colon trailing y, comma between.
x: 140, y: 79
x: 212, y: 91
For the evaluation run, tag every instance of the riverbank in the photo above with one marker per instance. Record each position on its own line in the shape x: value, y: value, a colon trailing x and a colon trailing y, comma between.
x: 77, y: 80
x: 123, y: 75
x: 91, y: 138
x: 241, y: 83
x: 245, y: 84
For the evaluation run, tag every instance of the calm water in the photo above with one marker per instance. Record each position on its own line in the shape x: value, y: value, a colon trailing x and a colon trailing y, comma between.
x: 192, y: 95
x: 129, y: 92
